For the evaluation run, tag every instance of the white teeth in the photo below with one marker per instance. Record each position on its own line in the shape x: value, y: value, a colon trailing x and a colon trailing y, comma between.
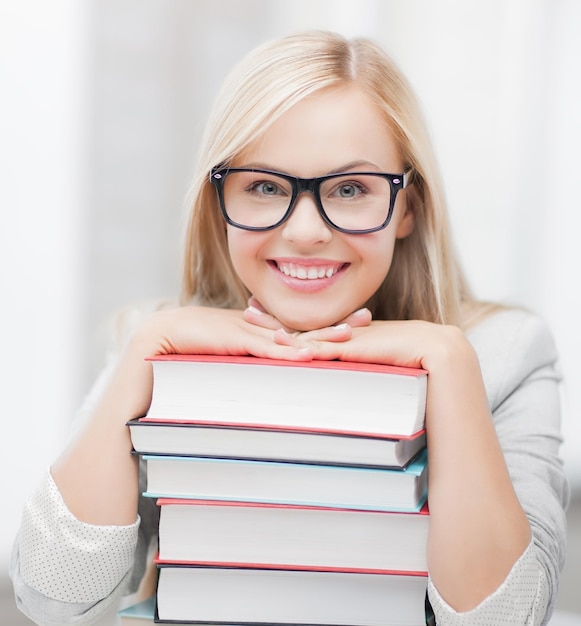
x: 306, y: 273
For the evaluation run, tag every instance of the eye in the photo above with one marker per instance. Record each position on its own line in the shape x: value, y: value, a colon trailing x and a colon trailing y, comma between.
x: 266, y: 188
x: 349, y: 190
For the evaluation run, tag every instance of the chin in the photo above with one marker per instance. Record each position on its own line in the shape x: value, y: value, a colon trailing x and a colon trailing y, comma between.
x: 305, y: 323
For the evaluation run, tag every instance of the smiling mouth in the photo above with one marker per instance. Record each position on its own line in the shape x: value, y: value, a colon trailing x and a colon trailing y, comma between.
x: 308, y: 272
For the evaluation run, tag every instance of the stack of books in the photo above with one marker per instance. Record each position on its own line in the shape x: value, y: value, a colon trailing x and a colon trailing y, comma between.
x: 289, y: 492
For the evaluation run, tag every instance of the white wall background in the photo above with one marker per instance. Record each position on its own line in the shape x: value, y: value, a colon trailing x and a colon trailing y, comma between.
x: 102, y: 103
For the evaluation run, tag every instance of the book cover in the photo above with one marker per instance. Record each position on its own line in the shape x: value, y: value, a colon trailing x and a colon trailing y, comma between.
x: 272, y: 444
x: 141, y: 614
x: 138, y: 614
x: 251, y: 533
x: 334, y: 395
x: 335, y: 486
x: 234, y: 595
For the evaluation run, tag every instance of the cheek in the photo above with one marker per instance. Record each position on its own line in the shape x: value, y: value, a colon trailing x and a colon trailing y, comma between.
x: 233, y: 246
x: 243, y: 248
x: 377, y: 255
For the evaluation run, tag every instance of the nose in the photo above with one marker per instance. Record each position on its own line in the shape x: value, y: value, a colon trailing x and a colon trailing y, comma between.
x: 305, y: 224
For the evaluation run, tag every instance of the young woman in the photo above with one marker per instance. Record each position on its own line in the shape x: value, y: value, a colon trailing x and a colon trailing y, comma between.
x: 318, y: 230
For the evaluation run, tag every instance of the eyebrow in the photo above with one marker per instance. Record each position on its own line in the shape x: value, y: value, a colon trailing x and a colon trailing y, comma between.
x: 338, y: 170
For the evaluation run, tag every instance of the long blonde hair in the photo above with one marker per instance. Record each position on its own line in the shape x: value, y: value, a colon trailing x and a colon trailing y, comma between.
x: 425, y: 280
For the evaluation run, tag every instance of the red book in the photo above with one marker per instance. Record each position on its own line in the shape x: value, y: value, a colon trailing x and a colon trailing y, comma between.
x: 323, y: 396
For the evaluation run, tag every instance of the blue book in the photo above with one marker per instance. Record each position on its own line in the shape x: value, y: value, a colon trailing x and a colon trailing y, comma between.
x: 237, y: 480
x: 140, y: 614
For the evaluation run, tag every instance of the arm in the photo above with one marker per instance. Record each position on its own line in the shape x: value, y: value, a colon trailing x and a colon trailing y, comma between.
x: 75, y: 552
x: 495, y: 481
x: 478, y: 528
x: 518, y: 360
x: 102, y: 488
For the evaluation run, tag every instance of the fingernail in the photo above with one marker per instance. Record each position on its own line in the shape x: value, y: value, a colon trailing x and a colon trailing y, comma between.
x: 340, y: 326
x: 254, y: 310
x: 360, y: 312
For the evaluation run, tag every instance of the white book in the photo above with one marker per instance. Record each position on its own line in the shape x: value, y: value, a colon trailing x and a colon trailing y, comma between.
x: 225, y: 595
x: 270, y: 444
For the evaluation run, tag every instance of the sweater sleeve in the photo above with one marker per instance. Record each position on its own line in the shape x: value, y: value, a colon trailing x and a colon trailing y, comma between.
x: 522, y: 598
x: 65, y: 570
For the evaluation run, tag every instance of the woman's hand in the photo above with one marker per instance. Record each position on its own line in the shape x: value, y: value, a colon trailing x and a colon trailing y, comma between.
x: 407, y: 343
x: 207, y: 330
x: 358, y: 338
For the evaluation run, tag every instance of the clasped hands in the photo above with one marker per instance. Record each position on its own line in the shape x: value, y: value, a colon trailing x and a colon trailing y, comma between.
x: 342, y: 331
x: 411, y: 343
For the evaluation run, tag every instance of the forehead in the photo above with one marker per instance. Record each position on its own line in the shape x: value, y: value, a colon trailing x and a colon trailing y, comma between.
x: 323, y: 132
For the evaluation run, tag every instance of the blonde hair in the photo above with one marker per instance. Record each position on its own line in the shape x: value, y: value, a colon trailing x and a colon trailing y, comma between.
x: 425, y: 280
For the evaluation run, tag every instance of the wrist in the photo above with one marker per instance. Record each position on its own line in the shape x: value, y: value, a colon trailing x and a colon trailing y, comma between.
x: 151, y: 337
x: 449, y: 349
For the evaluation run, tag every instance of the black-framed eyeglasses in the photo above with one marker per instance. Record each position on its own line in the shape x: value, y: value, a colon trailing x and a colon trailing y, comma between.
x: 350, y: 202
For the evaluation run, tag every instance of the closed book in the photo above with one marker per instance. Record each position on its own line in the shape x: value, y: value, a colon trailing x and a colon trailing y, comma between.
x: 272, y: 444
x: 335, y: 396
x: 337, y: 486
x: 249, y: 533
x: 192, y: 593
x: 138, y: 614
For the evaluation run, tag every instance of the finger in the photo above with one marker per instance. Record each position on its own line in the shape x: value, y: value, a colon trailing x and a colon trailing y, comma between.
x: 270, y: 350
x: 283, y: 338
x: 309, y: 349
x: 359, y: 318
x: 253, y: 302
x: 254, y: 310
x: 258, y: 317
x: 341, y: 332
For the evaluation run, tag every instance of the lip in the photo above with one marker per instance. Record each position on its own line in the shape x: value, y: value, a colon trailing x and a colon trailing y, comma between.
x: 326, y: 271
